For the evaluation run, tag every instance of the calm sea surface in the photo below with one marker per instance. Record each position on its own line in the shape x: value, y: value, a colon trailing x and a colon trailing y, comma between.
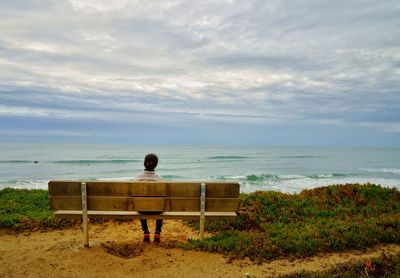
x: 286, y: 169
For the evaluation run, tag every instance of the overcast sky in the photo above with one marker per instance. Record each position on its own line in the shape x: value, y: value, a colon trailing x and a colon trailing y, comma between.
x: 200, y: 72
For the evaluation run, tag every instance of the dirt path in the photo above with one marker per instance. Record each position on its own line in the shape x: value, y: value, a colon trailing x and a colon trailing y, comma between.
x: 60, y: 254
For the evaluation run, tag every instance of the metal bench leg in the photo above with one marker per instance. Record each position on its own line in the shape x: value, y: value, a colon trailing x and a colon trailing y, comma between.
x: 202, y: 227
x: 202, y: 209
x: 84, y: 215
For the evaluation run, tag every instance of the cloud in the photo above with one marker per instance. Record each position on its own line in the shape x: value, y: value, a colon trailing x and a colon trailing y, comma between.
x: 254, y: 63
x: 41, y: 133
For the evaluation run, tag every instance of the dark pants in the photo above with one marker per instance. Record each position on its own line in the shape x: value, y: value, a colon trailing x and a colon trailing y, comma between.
x: 146, y: 229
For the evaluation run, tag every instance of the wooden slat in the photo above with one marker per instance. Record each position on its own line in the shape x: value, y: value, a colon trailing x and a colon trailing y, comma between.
x: 143, y: 203
x: 147, y: 203
x: 161, y: 188
x: 193, y: 204
x: 106, y: 188
x: 69, y: 188
x: 214, y: 189
x: 183, y: 204
x: 107, y: 203
x: 225, y: 190
x: 141, y: 188
x: 137, y: 215
x: 137, y: 188
x: 150, y: 189
x: 97, y: 212
x: 183, y: 189
x: 94, y: 203
x: 65, y: 202
x: 222, y: 204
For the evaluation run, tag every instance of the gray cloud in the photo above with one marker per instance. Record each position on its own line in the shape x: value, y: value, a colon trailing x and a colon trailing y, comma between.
x: 259, y: 63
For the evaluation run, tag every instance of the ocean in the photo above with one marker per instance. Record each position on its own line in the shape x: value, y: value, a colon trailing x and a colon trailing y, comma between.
x: 285, y: 169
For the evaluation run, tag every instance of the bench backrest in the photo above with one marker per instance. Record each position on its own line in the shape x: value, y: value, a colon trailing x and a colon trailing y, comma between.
x: 144, y: 196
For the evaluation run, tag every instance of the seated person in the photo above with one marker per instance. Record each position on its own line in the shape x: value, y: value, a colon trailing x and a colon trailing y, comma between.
x: 150, y: 163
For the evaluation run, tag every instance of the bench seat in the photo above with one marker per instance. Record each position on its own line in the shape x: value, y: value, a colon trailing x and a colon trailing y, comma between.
x: 140, y: 199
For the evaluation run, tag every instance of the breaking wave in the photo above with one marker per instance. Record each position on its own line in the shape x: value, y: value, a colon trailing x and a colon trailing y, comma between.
x: 274, y: 177
x: 382, y: 170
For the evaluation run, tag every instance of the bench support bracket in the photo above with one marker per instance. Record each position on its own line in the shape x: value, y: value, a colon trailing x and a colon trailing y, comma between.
x: 84, y: 215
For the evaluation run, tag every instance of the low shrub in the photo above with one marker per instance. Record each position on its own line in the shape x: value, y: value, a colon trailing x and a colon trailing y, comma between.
x: 338, y: 217
x: 27, y: 209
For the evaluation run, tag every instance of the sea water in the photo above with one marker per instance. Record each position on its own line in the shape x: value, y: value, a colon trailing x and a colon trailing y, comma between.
x: 285, y: 169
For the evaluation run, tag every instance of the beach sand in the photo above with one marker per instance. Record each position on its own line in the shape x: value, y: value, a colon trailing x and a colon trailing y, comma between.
x: 59, y: 253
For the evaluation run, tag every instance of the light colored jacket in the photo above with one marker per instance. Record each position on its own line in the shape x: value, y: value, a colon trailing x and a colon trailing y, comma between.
x: 148, y: 176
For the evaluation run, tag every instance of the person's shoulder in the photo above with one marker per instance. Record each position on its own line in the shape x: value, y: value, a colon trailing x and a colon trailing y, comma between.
x: 148, y: 176
x: 155, y: 175
x: 158, y: 177
x: 139, y: 177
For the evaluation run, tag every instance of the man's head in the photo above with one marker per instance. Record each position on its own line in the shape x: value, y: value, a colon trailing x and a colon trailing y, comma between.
x: 150, y: 162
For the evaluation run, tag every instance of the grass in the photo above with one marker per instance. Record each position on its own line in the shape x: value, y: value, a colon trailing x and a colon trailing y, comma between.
x: 338, y: 217
x: 383, y: 266
x: 27, y: 209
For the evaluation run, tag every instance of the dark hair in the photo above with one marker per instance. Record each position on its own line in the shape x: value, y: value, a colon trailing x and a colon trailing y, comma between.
x: 150, y: 162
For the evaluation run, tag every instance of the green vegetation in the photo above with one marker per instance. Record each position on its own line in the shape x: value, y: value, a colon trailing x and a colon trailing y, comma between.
x: 383, y: 266
x: 338, y: 217
x: 27, y: 209
x: 270, y: 224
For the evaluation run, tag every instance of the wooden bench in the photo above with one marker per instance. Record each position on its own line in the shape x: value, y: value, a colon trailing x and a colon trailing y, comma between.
x: 144, y: 200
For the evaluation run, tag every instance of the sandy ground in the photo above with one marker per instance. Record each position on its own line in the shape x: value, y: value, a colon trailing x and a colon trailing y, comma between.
x: 61, y: 254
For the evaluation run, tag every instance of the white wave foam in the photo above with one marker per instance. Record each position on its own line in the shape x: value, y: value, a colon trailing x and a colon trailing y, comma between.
x: 290, y: 177
x: 242, y: 177
x: 382, y: 170
x: 25, y: 184
x: 297, y: 185
x: 292, y: 183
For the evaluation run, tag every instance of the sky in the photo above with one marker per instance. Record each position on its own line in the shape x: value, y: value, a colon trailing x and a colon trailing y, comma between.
x: 271, y: 72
